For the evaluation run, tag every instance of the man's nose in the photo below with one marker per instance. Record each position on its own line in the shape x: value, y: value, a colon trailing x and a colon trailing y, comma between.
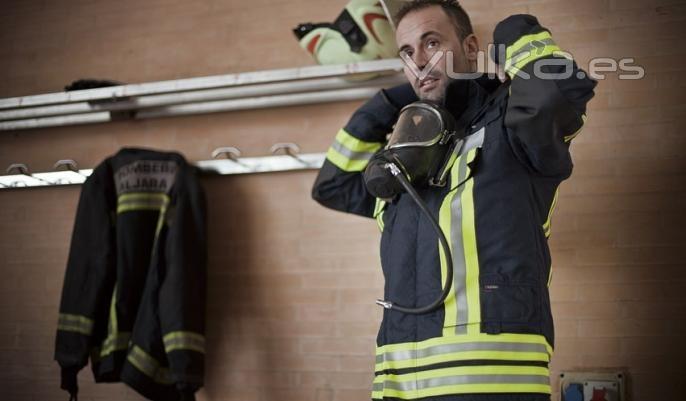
x: 421, y: 59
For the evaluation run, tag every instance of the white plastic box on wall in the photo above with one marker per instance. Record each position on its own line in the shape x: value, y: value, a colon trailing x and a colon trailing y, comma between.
x: 592, y: 386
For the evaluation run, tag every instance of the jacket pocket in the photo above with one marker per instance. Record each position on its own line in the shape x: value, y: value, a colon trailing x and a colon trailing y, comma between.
x: 509, y: 306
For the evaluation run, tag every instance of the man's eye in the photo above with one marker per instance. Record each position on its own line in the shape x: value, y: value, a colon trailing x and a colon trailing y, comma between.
x: 431, y: 44
x: 407, y: 53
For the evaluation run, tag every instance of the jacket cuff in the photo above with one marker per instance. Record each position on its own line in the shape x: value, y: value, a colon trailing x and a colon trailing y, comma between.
x: 374, y: 119
x: 520, y: 40
x: 365, y: 133
x: 186, y: 391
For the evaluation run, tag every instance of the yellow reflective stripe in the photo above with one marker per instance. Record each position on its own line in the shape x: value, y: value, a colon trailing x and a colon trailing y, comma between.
x: 112, y: 324
x: 468, y: 389
x: 356, y: 145
x: 568, y: 138
x: 142, y: 196
x: 528, y: 49
x: 547, y: 227
x: 470, y: 371
x: 379, y: 208
x: 148, y: 365
x: 524, y: 43
x: 75, y: 323
x: 547, y: 224
x: 486, y: 388
x: 470, y: 253
x: 351, y: 154
x: 160, y: 221
x: 465, y: 356
x: 115, y: 342
x: 377, y: 388
x: 464, y: 379
x: 481, y: 337
x: 142, y: 201
x: 451, y: 163
x: 445, y: 222
x: 466, y: 347
x: 133, y: 207
x: 344, y: 163
x: 184, y: 340
x: 506, y: 346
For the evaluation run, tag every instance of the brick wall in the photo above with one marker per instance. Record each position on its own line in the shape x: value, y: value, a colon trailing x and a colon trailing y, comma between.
x: 290, y: 311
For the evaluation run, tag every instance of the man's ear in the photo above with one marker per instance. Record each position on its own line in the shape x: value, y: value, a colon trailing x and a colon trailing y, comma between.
x: 470, y: 44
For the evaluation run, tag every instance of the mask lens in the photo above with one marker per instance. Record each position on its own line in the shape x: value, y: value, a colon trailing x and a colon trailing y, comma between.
x: 416, y: 125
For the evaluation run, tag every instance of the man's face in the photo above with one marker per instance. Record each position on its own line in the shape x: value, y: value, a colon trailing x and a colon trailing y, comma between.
x: 422, y: 33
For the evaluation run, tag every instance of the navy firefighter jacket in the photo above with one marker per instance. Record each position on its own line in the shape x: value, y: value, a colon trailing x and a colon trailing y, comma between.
x: 133, y: 299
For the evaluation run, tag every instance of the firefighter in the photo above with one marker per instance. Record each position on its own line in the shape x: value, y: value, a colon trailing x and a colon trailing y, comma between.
x: 490, y: 178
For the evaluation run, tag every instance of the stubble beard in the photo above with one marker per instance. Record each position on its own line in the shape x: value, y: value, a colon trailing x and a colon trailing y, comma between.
x: 437, y: 94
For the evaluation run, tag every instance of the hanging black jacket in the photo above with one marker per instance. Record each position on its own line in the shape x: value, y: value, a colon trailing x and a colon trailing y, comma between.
x: 494, y: 334
x: 134, y: 290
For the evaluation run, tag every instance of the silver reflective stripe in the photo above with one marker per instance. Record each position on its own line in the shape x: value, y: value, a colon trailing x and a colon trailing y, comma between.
x: 464, y: 379
x: 472, y: 141
x: 459, y: 262
x: 350, y: 154
x: 475, y: 140
x: 460, y: 347
x: 530, y: 47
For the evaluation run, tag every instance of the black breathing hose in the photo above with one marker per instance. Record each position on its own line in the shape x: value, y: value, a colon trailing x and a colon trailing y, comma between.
x: 395, y: 171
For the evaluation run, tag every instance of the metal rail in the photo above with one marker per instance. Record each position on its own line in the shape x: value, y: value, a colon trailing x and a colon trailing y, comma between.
x: 250, y: 90
x: 67, y: 173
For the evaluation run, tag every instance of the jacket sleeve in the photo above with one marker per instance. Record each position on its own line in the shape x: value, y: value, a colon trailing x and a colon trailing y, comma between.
x: 548, y: 95
x: 340, y: 183
x: 88, y: 279
x: 183, y: 288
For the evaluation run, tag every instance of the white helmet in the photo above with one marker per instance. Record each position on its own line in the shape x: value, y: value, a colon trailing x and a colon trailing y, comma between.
x: 361, y: 32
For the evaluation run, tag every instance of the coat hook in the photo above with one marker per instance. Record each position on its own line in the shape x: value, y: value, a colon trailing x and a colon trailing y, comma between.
x: 231, y: 153
x: 66, y: 164
x: 23, y: 169
x: 290, y: 149
x: 20, y: 168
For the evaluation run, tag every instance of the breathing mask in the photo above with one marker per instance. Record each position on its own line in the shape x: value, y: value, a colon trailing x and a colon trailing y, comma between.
x: 420, y: 146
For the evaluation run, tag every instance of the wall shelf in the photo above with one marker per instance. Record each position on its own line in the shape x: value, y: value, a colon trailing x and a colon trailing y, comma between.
x: 220, y: 93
